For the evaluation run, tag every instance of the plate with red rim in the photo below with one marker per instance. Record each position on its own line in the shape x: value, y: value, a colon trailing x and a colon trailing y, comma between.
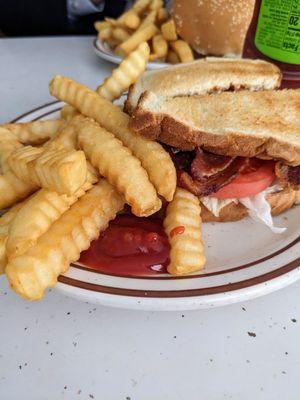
x: 105, y: 52
x: 244, y: 260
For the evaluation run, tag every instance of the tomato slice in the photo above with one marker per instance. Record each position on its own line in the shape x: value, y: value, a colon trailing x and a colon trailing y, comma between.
x: 250, y: 182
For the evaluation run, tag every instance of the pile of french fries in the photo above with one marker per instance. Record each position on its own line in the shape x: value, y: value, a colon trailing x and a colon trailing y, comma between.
x: 146, y: 21
x: 63, y: 180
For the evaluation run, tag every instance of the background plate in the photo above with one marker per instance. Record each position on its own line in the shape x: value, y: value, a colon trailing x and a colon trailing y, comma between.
x: 104, y: 52
x: 244, y: 260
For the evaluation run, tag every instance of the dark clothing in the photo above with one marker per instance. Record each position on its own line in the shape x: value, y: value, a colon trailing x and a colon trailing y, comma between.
x: 49, y: 17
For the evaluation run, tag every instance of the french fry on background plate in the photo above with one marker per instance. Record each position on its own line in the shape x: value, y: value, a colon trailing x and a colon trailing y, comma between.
x: 168, y: 30
x: 38, y: 269
x: 127, y: 73
x: 120, y: 34
x: 183, y: 51
x: 118, y: 165
x: 156, y: 5
x: 172, y: 57
x: 139, y: 36
x: 130, y: 19
x: 160, y: 46
x: 162, y: 16
x: 156, y: 161
x: 140, y: 6
x: 183, y: 227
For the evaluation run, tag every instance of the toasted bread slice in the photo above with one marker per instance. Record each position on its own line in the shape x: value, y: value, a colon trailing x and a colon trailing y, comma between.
x: 249, y: 124
x: 205, y: 76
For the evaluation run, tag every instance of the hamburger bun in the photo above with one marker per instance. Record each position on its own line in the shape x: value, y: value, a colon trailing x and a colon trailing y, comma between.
x: 216, y: 27
x: 279, y: 202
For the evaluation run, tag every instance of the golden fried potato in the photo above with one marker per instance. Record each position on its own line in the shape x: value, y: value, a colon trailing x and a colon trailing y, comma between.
x: 139, y: 36
x: 156, y: 5
x: 127, y: 73
x: 35, y: 132
x: 57, y: 169
x: 162, y: 15
x: 130, y: 19
x: 105, y: 33
x: 8, y: 144
x: 5, y: 222
x: 36, y: 216
x: 99, y: 25
x: 66, y: 137
x: 33, y: 272
x: 120, y: 34
x: 67, y: 112
x: 13, y: 189
x: 183, y: 51
x: 160, y: 46
x: 183, y: 227
x: 117, y: 164
x: 140, y: 6
x: 168, y: 30
x: 153, y: 157
x: 172, y: 57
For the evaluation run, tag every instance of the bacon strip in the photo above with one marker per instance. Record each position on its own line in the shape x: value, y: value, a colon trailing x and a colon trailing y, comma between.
x: 288, y: 176
x: 213, y: 183
x: 207, y: 164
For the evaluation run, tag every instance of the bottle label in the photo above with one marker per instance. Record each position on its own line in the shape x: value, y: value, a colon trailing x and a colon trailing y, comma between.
x: 278, y: 30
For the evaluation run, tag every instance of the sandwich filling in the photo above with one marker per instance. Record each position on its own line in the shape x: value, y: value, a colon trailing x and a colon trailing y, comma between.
x: 220, y: 180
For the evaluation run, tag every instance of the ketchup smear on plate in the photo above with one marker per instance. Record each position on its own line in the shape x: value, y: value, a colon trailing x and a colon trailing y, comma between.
x: 130, y: 246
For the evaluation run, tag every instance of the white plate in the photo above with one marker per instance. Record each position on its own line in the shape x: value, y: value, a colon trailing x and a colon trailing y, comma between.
x: 103, y: 51
x: 244, y: 260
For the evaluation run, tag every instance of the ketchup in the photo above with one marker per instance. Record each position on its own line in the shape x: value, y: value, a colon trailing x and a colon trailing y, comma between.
x: 274, y: 35
x: 130, y: 246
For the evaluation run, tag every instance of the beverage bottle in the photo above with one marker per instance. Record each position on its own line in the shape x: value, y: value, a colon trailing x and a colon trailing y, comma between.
x: 274, y: 35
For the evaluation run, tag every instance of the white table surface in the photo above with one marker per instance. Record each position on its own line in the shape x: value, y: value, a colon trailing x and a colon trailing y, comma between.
x: 61, y: 348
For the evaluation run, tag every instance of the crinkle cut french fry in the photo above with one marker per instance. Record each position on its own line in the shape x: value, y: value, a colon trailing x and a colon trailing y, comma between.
x: 35, y: 132
x: 129, y: 70
x: 12, y: 189
x: 36, y: 270
x: 8, y: 144
x: 139, y: 36
x: 117, y: 164
x: 168, y: 30
x: 36, y: 216
x: 68, y: 112
x: 183, y: 50
x: 65, y: 138
x: 153, y: 157
x: 57, y: 169
x: 183, y: 227
x: 5, y: 222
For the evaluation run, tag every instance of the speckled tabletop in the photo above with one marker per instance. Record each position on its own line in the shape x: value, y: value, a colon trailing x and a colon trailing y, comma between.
x: 61, y: 348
